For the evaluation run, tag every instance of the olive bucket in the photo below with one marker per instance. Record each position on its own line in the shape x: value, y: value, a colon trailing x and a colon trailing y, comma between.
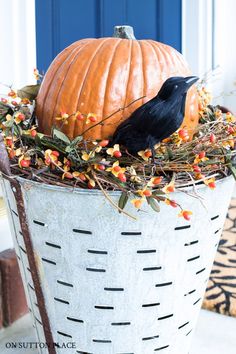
x: 98, y: 282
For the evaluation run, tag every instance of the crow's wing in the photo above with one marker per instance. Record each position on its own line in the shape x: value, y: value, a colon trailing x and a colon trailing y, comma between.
x: 150, y: 115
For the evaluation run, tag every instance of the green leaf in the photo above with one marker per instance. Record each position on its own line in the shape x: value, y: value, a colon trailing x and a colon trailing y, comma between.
x: 61, y: 136
x: 158, y: 192
x: 123, y: 200
x: 30, y: 92
x: 169, y: 153
x: 74, y: 143
x: 76, y: 140
x: 40, y: 135
x: 68, y: 149
x: 9, y: 123
x: 153, y: 204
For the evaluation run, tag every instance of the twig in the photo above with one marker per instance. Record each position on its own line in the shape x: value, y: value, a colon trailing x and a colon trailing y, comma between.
x: 110, y: 200
x: 112, y: 114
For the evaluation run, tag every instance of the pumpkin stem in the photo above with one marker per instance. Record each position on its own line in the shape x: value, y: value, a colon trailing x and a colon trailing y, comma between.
x: 124, y: 32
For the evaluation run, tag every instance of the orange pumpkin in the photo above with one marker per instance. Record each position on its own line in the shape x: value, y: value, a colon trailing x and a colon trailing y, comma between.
x: 102, y: 75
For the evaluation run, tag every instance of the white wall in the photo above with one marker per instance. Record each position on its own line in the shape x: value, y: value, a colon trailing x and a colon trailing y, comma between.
x: 17, y: 62
x: 227, y: 43
x: 17, y: 43
x: 197, y: 45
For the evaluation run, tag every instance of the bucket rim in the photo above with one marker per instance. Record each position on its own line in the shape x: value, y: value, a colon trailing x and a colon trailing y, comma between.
x: 25, y: 183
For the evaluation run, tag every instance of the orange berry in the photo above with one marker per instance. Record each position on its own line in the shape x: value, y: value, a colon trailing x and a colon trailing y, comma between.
x: 102, y: 167
x: 117, y: 154
x: 196, y: 168
x: 117, y: 168
x: 79, y: 116
x: 183, y: 134
x: 122, y: 177
x: 138, y: 204
x: 230, y: 130
x: 82, y: 177
x: 212, y: 185
x: 173, y: 203
x: 21, y: 116
x: 157, y: 180
x: 9, y: 141
x: 68, y: 175
x: 25, y: 101
x: 148, y: 153
x: 12, y: 154
x: 93, y: 119
x: 33, y: 133
x: 212, y: 138
x: 25, y: 163
x: 55, y: 153
x: 202, y: 154
x: 47, y: 160
x: 103, y: 143
x: 147, y: 193
x: 171, y: 189
x: 67, y: 163
x: 199, y: 176
x: 14, y: 103
x: 11, y: 93
x: 90, y: 185
x: 186, y: 215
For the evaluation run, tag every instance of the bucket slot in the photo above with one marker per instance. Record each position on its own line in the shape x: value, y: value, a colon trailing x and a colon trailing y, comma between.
x: 40, y: 223
x: 189, y: 332
x: 97, y: 252
x: 183, y: 325
x: 165, y: 317
x: 62, y: 301
x: 104, y: 307
x: 190, y: 292
x: 191, y: 243
x: 49, y: 261
x: 195, y: 303
x: 161, y: 348
x: 215, y: 217
x: 151, y: 268
x: 64, y: 283
x: 193, y: 259
x: 52, y: 245
x: 151, y: 305
x: 64, y: 334
x: 96, y: 270
x: 150, y: 338
x: 182, y: 227
x: 38, y: 320
x: 131, y: 233
x: 102, y: 341
x: 114, y: 289
x: 14, y: 212
x: 216, y: 232
x: 200, y: 271
x: 74, y: 319
x: 146, y: 251
x: 163, y: 284
x: 85, y: 232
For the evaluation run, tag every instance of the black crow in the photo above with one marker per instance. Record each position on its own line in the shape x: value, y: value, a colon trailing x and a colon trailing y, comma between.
x: 157, y: 119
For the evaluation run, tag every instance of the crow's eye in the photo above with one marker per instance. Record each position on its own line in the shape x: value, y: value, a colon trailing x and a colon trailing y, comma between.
x: 175, y: 87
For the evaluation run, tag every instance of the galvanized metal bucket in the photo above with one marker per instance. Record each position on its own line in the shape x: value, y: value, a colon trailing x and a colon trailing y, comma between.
x: 107, y: 283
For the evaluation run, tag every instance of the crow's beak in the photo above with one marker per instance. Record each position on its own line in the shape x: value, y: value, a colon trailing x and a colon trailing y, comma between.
x: 190, y: 80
